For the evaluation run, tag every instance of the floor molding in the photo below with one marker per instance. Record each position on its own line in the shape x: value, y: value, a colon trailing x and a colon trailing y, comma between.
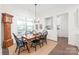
x: 52, y: 40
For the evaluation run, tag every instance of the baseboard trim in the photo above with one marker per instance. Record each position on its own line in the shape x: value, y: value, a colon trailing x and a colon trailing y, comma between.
x: 52, y: 40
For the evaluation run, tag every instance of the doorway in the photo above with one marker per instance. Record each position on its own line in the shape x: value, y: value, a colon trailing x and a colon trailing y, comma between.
x: 62, y: 28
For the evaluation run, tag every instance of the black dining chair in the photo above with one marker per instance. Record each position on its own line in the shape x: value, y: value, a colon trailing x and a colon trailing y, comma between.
x: 44, y: 37
x: 36, y: 42
x: 20, y: 43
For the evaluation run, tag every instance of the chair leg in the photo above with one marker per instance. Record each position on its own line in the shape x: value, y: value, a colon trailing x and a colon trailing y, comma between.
x: 24, y: 46
x: 27, y: 48
x: 31, y: 45
x: 46, y: 41
x: 40, y: 45
x: 19, y: 51
x: 42, y: 42
x: 16, y: 49
x: 35, y: 48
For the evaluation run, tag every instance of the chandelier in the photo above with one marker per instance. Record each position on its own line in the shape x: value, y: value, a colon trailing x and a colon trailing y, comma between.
x: 36, y: 20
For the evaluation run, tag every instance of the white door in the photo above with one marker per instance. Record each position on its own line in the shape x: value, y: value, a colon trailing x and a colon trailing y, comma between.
x: 62, y: 25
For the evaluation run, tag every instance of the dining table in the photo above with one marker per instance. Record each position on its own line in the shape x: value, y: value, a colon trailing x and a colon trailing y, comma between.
x: 29, y: 39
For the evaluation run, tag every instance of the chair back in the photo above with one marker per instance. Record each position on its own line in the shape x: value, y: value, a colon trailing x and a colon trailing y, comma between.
x: 45, y: 34
x: 15, y: 37
x: 18, y: 42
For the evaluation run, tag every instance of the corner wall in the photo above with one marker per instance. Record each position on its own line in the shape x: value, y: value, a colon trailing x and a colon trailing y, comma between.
x: 0, y: 34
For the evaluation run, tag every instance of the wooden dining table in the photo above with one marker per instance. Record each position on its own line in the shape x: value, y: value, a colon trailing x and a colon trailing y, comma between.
x: 29, y: 39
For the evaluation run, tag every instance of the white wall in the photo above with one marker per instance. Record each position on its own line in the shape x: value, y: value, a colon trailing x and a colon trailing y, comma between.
x: 0, y: 38
x: 0, y: 32
x: 77, y: 26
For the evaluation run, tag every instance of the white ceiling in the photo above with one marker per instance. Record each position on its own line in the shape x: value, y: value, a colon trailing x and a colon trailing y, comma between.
x: 51, y: 8
x: 42, y: 8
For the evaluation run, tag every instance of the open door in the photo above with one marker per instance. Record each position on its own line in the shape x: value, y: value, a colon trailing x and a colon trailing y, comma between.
x: 62, y: 28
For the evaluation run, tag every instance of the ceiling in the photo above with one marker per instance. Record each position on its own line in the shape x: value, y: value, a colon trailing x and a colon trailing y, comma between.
x: 42, y: 8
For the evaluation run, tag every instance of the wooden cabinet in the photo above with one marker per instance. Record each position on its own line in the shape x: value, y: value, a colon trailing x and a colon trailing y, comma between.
x: 7, y: 21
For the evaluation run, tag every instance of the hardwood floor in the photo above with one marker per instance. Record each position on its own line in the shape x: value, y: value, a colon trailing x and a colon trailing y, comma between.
x: 63, y: 48
x: 45, y: 50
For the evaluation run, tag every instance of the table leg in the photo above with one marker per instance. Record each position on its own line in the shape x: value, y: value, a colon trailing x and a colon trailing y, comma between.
x: 29, y: 46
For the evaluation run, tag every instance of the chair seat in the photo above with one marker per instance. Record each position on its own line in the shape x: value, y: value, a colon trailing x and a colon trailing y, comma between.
x: 35, y: 41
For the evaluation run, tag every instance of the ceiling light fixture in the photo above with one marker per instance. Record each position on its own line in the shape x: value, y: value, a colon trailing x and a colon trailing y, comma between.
x: 36, y: 18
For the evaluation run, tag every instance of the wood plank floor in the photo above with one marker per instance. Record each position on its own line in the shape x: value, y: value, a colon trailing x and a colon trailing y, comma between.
x: 60, y: 47
x: 45, y: 50
x: 63, y: 48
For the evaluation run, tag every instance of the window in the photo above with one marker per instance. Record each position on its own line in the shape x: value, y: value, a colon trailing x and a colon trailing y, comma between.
x: 24, y: 26
x: 29, y: 25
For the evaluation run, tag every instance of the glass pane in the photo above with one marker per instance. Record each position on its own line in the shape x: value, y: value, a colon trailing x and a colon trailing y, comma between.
x: 29, y: 24
x: 24, y: 26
